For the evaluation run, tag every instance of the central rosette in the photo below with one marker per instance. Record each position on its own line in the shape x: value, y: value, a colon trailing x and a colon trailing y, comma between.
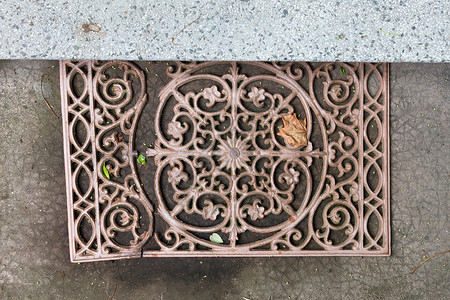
x: 233, y: 154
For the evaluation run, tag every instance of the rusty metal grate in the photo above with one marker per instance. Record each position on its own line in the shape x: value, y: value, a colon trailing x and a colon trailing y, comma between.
x: 220, y: 178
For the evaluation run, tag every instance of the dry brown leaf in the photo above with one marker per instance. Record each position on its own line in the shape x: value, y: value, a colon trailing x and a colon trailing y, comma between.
x: 294, y: 131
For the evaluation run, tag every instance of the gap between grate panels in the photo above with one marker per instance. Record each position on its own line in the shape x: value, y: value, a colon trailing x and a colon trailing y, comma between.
x: 217, y: 164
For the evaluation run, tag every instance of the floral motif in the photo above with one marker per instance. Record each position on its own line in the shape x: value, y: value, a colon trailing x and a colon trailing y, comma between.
x: 177, y: 130
x: 211, y: 211
x: 211, y: 94
x: 176, y: 175
x: 255, y: 211
x: 290, y: 177
x: 335, y: 92
x: 257, y: 96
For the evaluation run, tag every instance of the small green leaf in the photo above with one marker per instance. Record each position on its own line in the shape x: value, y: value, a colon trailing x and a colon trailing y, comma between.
x: 105, y: 171
x: 343, y: 71
x: 141, y: 160
x: 215, y: 238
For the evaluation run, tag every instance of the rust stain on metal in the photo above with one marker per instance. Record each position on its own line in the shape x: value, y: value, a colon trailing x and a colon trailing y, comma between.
x: 222, y: 164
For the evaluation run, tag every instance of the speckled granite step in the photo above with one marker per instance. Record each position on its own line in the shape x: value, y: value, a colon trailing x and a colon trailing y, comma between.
x: 397, y: 31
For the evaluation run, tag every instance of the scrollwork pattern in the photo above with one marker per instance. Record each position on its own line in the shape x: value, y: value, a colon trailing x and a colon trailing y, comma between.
x: 112, y: 205
x: 250, y: 189
x: 113, y: 92
x: 220, y: 165
x: 250, y: 181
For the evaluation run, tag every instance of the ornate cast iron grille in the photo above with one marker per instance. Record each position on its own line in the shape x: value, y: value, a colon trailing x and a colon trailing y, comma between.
x: 220, y: 178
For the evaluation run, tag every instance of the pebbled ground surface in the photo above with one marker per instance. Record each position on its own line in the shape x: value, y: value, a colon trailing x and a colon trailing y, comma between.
x: 34, y: 258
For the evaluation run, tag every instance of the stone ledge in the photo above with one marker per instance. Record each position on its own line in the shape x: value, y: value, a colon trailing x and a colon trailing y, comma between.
x: 398, y: 31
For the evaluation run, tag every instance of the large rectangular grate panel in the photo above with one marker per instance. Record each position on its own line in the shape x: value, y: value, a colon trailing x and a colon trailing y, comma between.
x: 241, y: 158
